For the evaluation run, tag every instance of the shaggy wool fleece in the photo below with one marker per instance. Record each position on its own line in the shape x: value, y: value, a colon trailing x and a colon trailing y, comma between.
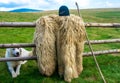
x: 70, y: 45
x: 44, y: 38
x: 60, y: 40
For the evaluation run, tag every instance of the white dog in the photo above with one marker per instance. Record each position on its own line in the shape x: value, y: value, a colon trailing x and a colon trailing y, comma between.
x: 14, y: 66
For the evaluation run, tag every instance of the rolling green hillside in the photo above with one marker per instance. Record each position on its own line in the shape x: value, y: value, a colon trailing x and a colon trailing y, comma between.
x: 110, y: 64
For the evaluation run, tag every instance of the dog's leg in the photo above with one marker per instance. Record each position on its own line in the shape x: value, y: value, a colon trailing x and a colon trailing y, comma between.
x: 9, y: 64
x: 23, y: 62
x: 18, y: 69
x: 12, y: 72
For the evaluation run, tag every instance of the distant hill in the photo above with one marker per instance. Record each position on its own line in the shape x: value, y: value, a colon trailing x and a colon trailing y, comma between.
x: 25, y: 10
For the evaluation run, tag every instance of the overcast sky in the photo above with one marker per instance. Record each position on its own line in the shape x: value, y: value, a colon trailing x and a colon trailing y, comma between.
x: 6, y: 5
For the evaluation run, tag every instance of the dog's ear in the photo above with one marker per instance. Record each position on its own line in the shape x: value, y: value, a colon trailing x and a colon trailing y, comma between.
x: 10, y: 51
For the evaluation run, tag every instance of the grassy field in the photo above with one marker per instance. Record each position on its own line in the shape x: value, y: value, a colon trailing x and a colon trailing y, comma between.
x: 110, y: 64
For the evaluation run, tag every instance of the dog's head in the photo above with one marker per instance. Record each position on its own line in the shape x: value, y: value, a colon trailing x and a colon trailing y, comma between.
x: 16, y: 52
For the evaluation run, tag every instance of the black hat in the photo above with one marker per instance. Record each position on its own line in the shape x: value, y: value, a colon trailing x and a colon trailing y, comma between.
x: 64, y: 11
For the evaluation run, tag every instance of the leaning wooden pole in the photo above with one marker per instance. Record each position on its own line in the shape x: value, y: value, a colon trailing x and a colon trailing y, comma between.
x: 91, y: 49
x: 97, y: 53
x: 33, y: 24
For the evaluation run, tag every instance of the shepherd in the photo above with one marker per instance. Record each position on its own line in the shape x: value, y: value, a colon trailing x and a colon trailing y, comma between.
x: 59, y: 39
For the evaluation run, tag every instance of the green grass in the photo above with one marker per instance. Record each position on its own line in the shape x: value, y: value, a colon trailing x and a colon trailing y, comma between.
x: 110, y: 64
